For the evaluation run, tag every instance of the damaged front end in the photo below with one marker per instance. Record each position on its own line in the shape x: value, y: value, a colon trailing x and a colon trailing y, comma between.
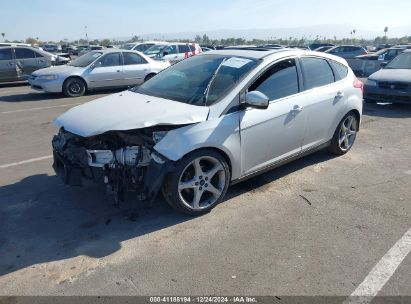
x: 123, y: 160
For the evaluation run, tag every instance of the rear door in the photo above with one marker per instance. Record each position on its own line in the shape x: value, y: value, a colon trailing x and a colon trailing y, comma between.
x: 107, y: 71
x: 135, y: 68
x: 8, y: 70
x: 325, y: 90
x: 26, y: 62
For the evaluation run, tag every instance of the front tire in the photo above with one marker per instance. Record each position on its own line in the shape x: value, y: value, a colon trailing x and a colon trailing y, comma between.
x: 74, y: 87
x: 345, y: 134
x: 199, y: 182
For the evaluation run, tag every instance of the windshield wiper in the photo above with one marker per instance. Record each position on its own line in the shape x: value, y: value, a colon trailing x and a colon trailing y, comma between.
x: 205, y: 94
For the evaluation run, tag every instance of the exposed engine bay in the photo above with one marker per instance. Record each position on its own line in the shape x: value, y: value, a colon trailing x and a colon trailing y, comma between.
x: 123, y: 160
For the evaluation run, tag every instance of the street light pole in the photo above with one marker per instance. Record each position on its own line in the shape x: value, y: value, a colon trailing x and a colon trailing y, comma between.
x: 85, y: 29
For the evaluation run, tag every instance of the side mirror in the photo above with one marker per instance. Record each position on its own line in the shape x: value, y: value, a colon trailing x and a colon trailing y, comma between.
x: 384, y: 64
x: 256, y: 99
x: 165, y: 53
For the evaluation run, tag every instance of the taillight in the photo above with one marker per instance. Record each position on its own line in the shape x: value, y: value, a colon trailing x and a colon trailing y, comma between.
x: 358, y: 84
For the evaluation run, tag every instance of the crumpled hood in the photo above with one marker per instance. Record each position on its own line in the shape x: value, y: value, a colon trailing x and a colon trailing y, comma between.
x: 392, y: 75
x: 127, y: 111
x: 60, y: 70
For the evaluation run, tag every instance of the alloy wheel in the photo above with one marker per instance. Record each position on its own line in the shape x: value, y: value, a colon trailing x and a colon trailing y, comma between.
x: 201, y: 183
x: 347, y: 134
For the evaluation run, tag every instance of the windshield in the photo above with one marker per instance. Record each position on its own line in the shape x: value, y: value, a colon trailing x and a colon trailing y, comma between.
x: 128, y: 46
x: 402, y: 61
x: 86, y: 59
x: 198, y: 80
x: 155, y: 49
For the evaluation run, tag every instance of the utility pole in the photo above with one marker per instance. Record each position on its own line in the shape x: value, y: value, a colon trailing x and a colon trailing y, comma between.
x: 85, y: 30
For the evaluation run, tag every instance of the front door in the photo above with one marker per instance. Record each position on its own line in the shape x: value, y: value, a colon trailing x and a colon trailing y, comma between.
x: 276, y: 133
x: 107, y: 72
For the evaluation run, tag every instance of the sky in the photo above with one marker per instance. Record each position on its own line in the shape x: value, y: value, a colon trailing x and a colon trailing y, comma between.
x: 58, y: 20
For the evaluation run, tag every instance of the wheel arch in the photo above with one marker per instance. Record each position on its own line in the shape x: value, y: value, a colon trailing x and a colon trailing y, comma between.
x: 74, y: 77
x: 150, y: 75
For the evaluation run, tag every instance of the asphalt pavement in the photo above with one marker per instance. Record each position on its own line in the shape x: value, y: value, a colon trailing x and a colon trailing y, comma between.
x: 321, y: 225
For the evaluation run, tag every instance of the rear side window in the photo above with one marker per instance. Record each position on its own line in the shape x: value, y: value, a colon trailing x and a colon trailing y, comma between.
x: 183, y: 49
x: 131, y: 58
x: 341, y: 71
x: 279, y: 81
x: 5, y: 54
x: 24, y: 53
x: 317, y: 72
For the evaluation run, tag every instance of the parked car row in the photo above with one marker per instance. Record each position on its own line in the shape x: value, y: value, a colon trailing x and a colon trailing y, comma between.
x: 18, y: 62
x: 392, y: 83
x: 95, y: 70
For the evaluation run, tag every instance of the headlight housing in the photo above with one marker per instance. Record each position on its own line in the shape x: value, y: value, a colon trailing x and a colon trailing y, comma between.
x: 371, y: 83
x: 47, y: 77
x: 158, y: 136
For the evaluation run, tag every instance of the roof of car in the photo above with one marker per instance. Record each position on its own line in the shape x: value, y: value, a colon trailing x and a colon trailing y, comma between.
x: 261, y: 53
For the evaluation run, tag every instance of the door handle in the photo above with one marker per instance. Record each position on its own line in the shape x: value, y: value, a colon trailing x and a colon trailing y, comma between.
x: 339, y: 94
x: 11, y: 63
x: 118, y: 71
x: 297, y: 109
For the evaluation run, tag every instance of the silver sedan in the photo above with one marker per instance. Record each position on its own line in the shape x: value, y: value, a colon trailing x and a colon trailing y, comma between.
x: 95, y: 70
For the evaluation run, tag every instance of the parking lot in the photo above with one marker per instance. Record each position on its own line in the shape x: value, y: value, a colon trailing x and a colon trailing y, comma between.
x: 317, y: 226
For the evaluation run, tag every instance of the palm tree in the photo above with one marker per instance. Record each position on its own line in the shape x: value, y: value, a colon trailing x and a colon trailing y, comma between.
x: 386, y: 31
x: 3, y: 34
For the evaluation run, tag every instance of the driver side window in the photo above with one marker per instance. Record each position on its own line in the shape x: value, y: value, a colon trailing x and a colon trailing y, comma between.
x: 108, y: 60
x: 170, y: 50
x: 280, y: 81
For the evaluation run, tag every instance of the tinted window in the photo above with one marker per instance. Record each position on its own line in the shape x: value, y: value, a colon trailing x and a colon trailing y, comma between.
x: 38, y: 55
x: 171, y: 49
x: 109, y: 60
x: 341, y: 71
x: 278, y: 82
x: 317, y: 72
x: 24, y: 53
x: 131, y: 58
x: 143, y: 47
x: 402, y: 61
x: 183, y: 48
x: 5, y: 54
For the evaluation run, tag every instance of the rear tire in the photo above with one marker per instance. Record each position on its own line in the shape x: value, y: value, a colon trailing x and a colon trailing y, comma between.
x: 74, y: 87
x: 199, y: 182
x: 345, y: 134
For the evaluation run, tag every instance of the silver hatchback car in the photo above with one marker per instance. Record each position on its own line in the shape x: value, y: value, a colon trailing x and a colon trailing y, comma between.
x: 96, y: 70
x: 210, y: 121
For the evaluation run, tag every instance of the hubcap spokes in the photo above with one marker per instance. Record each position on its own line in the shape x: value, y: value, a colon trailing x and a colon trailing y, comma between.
x: 75, y: 88
x: 348, y: 132
x: 201, y: 183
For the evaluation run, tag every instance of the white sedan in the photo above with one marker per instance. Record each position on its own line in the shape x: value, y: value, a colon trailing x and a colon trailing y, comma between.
x: 96, y: 70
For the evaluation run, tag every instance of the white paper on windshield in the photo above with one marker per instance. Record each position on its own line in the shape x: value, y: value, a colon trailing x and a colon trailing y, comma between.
x: 235, y: 62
